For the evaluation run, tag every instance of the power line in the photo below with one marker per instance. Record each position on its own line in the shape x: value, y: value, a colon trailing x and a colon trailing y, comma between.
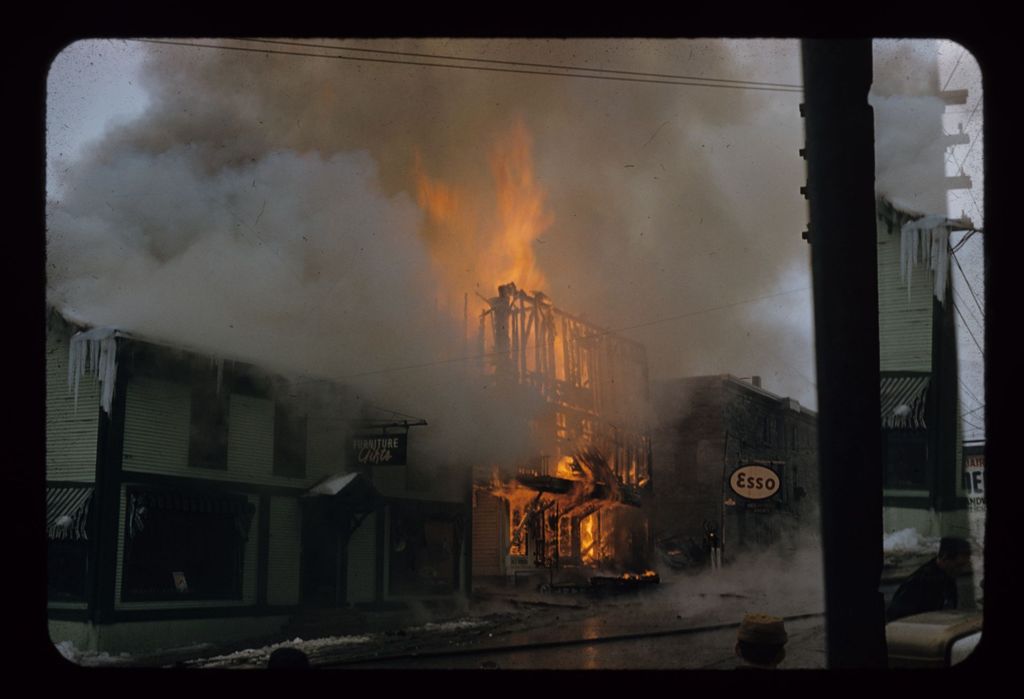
x: 488, y: 355
x: 969, y: 391
x: 706, y: 310
x: 957, y: 294
x: 969, y: 287
x: 956, y: 248
x: 972, y: 411
x: 977, y: 427
x: 957, y: 65
x: 963, y: 160
x: 524, y: 63
x: 976, y: 105
x: 968, y: 328
x: 461, y: 67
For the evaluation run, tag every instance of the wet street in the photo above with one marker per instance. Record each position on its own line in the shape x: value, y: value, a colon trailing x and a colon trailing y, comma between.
x: 686, y: 622
x: 685, y: 648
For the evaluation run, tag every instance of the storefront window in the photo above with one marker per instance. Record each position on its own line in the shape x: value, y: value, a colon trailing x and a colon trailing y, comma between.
x: 184, y: 546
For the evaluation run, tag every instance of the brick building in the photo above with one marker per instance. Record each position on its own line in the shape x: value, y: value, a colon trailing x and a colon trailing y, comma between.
x: 716, y: 435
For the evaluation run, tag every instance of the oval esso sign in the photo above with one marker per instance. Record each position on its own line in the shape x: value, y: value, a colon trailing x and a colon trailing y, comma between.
x: 754, y: 482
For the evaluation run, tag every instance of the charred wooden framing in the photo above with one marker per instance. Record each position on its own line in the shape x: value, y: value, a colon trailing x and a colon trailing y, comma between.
x: 562, y: 506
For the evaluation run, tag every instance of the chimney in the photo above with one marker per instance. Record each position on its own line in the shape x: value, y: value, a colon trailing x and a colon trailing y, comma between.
x: 755, y: 381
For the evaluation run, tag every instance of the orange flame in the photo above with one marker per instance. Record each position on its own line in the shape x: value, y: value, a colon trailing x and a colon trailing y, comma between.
x: 522, y: 217
x: 589, y: 545
x: 477, y: 246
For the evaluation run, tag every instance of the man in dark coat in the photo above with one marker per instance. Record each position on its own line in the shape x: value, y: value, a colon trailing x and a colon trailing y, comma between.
x: 932, y: 586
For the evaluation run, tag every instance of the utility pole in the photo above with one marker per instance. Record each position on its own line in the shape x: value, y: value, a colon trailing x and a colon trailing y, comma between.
x: 839, y: 127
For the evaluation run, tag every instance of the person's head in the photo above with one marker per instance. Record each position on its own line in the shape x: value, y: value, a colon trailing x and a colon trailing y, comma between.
x: 761, y: 640
x: 287, y: 657
x: 954, y: 556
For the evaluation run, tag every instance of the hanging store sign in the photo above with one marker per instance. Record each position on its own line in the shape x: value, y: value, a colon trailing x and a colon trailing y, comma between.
x: 974, y: 478
x: 755, y: 482
x: 380, y: 450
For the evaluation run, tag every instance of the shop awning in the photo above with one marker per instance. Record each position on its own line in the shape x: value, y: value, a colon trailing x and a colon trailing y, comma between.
x: 903, y: 402
x: 353, y: 489
x: 67, y: 512
x: 140, y: 501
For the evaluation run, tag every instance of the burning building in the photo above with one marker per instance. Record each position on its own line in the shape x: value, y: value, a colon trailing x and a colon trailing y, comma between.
x: 578, y: 502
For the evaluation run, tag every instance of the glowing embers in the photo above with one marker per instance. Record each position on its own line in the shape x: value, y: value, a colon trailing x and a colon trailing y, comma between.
x: 590, y: 539
x: 559, y: 529
x: 568, y: 468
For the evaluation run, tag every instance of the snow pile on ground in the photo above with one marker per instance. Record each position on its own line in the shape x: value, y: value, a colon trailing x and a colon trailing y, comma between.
x: 458, y: 625
x: 90, y: 658
x: 259, y: 656
x: 908, y: 541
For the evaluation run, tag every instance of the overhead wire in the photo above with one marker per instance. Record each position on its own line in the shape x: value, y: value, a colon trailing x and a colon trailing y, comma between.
x: 969, y: 391
x: 969, y: 331
x: 602, y: 333
x: 969, y: 287
x: 968, y: 422
x: 554, y: 66
x: 973, y: 411
x: 598, y: 73
x: 969, y: 311
x: 688, y: 82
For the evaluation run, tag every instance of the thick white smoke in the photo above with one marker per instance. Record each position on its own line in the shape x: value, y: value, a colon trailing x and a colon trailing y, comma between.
x: 263, y: 207
x: 910, y: 151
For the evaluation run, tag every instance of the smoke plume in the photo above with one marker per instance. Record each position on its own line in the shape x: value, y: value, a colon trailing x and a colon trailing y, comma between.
x: 270, y: 208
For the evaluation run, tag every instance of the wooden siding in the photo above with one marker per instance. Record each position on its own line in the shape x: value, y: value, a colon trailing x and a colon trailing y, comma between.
x: 362, y: 562
x: 157, y: 437
x: 325, y: 447
x: 487, y: 545
x: 156, y: 428
x: 71, y: 429
x: 283, y: 557
x: 251, y: 440
x: 248, y: 571
x: 904, y: 321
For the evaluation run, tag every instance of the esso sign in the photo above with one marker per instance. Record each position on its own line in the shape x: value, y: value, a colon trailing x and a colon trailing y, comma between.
x: 755, y: 482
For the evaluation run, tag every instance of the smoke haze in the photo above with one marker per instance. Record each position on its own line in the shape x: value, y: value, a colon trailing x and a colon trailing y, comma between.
x: 266, y: 208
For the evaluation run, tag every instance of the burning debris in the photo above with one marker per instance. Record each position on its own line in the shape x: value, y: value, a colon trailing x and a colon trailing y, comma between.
x: 578, y: 502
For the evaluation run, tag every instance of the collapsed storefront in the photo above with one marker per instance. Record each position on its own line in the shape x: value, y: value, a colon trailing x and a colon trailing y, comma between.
x: 578, y: 504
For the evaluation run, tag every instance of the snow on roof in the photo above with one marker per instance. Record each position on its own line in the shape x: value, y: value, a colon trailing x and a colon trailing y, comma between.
x: 332, y: 485
x: 94, y: 351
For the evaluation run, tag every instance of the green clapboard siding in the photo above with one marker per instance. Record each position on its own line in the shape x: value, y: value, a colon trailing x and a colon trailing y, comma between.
x: 283, y: 557
x: 156, y: 427
x: 250, y: 439
x: 362, y: 562
x: 71, y: 428
x: 904, y: 321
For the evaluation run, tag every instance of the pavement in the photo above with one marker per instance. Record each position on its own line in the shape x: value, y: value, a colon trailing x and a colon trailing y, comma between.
x: 673, y: 625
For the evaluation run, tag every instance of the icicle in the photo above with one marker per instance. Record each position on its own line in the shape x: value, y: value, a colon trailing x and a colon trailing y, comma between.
x: 220, y: 373
x: 925, y: 241
x: 94, y: 351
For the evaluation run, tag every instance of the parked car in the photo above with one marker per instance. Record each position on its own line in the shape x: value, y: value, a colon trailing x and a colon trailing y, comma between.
x: 933, y: 639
